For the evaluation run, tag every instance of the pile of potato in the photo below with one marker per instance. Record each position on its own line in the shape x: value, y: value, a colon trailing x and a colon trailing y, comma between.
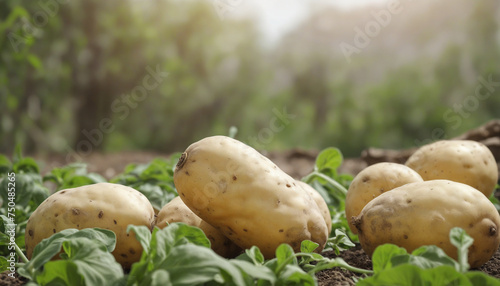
x: 442, y: 185
x: 238, y: 197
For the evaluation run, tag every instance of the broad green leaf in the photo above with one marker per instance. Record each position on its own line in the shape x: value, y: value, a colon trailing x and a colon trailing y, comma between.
x: 159, y: 277
x: 308, y: 246
x: 383, y: 256
x: 255, y: 271
x: 86, y: 263
x: 329, y: 158
x: 410, y: 275
x: 142, y: 234
x: 431, y: 256
x: 255, y: 255
x: 60, y: 272
x: 294, y: 275
x: 191, y: 264
x: 481, y: 278
x: 26, y: 165
x: 285, y: 255
x: 462, y: 242
x: 5, y: 164
x: 4, y: 264
x: 49, y: 247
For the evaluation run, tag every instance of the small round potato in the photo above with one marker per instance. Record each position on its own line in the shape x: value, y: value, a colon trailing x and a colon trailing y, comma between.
x: 247, y: 197
x: 463, y: 161
x: 423, y: 213
x: 177, y: 211
x: 373, y: 181
x: 103, y: 205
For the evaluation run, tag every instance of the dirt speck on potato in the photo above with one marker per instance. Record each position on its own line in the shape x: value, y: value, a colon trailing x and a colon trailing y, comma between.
x: 75, y: 211
x: 100, y: 214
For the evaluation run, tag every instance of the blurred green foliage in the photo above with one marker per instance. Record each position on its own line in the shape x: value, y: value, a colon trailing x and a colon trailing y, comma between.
x: 79, y: 76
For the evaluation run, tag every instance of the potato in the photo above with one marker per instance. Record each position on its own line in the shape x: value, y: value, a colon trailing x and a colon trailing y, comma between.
x: 246, y: 196
x: 320, y: 202
x: 177, y: 211
x: 373, y: 181
x: 103, y: 205
x: 423, y: 213
x: 463, y: 161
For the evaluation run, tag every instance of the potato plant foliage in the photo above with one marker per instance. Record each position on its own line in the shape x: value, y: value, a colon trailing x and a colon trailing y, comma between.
x: 180, y: 254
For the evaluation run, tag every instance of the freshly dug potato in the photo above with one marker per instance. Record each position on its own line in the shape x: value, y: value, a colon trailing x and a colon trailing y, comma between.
x: 320, y: 202
x: 104, y: 205
x: 463, y: 161
x: 177, y: 211
x: 423, y: 213
x: 373, y: 181
x: 246, y: 196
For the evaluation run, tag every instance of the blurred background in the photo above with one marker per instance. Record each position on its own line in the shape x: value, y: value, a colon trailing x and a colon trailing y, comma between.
x: 78, y: 77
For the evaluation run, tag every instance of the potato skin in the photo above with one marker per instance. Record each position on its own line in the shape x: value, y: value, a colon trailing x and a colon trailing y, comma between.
x: 373, y: 181
x: 423, y: 213
x: 246, y: 196
x: 320, y: 202
x: 104, y: 205
x: 177, y: 211
x: 463, y: 161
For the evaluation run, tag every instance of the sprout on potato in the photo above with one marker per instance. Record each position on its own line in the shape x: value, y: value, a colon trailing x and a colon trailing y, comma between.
x: 463, y: 161
x: 373, y: 181
x: 423, y: 213
x: 104, y: 205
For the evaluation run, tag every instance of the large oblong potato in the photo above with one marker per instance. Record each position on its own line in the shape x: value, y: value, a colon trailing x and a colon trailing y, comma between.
x: 373, y: 181
x: 423, y: 213
x: 103, y: 205
x: 320, y: 202
x: 177, y: 211
x: 463, y: 161
x: 246, y: 196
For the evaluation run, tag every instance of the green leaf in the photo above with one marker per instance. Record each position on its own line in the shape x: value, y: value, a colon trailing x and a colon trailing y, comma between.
x: 330, y: 158
x: 5, y: 164
x: 26, y: 165
x: 85, y: 263
x: 191, y: 264
x: 339, y: 241
x: 285, y: 255
x: 60, y: 272
x: 49, y: 247
x: 142, y: 234
x: 294, y: 275
x: 159, y: 277
x: 431, y: 256
x: 255, y: 271
x: 34, y: 61
x: 409, y: 275
x: 383, y: 255
x: 4, y: 264
x: 161, y: 244
x: 255, y: 255
x: 462, y: 242
x: 308, y: 246
x: 481, y: 278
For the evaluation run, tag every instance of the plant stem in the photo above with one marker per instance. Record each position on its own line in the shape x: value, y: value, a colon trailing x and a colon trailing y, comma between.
x: 339, y: 263
x: 20, y: 253
x: 326, y: 178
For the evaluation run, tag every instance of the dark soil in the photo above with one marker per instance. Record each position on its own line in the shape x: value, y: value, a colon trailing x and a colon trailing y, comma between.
x: 358, y: 258
x: 296, y: 163
x: 7, y: 280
